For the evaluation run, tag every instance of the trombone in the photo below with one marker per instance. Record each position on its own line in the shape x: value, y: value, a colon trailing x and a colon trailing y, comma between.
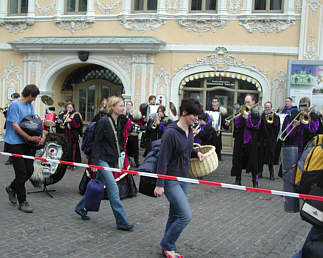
x: 245, y: 110
x: 304, y: 118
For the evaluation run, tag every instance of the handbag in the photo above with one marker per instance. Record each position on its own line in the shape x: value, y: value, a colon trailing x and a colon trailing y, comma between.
x: 93, y: 195
x: 312, y: 211
x: 122, y: 155
x: 147, y: 185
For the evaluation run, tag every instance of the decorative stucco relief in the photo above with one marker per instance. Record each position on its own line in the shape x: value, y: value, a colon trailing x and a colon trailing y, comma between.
x: 234, y: 6
x: 200, y: 24
x: 107, y: 6
x: 220, y: 61
x: 12, y: 77
x: 142, y: 24
x: 124, y: 62
x: 45, y: 10
x: 311, y: 51
x: 314, y: 4
x: 161, y: 82
x: 16, y: 26
x: 74, y: 25
x: 266, y: 25
x: 47, y: 61
x: 278, y: 89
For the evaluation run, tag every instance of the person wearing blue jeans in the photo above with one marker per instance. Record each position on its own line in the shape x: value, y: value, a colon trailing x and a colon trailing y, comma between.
x: 106, y: 152
x: 174, y: 160
x: 107, y: 178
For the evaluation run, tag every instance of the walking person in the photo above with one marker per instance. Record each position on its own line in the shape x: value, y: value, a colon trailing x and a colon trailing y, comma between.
x: 16, y: 141
x: 13, y: 96
x: 174, y: 160
x: 105, y: 153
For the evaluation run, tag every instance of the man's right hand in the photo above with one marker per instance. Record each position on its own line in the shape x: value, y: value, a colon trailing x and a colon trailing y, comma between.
x: 159, y: 191
x: 34, y: 139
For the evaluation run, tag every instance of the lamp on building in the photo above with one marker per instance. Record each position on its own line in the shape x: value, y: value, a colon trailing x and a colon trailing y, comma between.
x: 83, y: 55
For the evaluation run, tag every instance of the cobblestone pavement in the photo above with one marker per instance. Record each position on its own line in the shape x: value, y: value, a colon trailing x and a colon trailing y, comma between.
x: 226, y: 223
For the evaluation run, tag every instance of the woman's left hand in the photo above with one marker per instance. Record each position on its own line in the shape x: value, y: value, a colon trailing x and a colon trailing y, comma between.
x: 201, y: 156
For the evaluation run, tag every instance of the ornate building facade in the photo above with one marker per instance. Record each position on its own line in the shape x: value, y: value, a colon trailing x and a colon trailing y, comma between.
x: 87, y: 49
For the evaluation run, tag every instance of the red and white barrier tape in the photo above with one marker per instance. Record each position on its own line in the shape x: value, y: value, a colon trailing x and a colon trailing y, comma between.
x: 175, y: 178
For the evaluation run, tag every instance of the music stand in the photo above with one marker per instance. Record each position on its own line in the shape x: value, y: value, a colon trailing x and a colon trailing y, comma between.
x: 45, y: 190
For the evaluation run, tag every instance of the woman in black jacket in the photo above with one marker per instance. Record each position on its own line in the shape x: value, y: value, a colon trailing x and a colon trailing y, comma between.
x: 105, y: 153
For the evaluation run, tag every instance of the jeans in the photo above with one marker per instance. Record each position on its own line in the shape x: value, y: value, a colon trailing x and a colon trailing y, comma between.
x: 179, y: 213
x: 24, y: 168
x: 113, y: 193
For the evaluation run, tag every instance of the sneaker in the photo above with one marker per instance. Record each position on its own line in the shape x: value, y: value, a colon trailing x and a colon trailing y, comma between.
x: 11, y: 195
x: 83, y: 215
x: 172, y: 254
x: 25, y: 207
x: 125, y: 227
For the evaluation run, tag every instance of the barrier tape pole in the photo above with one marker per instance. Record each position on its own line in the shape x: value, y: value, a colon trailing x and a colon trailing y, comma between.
x: 175, y: 178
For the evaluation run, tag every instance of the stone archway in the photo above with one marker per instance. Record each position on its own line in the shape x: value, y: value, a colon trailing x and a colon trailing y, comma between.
x: 50, y: 74
x: 220, y: 61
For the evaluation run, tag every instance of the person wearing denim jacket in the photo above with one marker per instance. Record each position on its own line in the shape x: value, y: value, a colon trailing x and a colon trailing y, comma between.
x: 105, y: 154
x: 174, y: 160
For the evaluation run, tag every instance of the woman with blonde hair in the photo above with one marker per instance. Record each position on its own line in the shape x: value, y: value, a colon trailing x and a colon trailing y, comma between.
x: 105, y: 153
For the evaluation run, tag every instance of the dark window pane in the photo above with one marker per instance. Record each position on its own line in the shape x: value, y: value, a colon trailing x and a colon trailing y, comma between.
x: 260, y: 4
x: 210, y: 5
x: 82, y: 103
x: 198, y: 83
x: 70, y: 6
x: 196, y: 5
x: 275, y: 4
x: 245, y: 85
x: 151, y: 4
x: 24, y: 6
x: 194, y: 94
x: 139, y: 5
x: 82, y: 5
x: 13, y: 6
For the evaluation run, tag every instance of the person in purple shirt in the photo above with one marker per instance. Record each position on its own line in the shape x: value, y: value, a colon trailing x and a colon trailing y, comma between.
x: 246, y: 143
x: 302, y: 133
x: 206, y: 133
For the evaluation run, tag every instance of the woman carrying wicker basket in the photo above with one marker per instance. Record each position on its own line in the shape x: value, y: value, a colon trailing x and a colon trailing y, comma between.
x: 174, y: 160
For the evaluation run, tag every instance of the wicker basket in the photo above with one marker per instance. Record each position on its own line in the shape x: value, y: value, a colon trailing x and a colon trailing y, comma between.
x: 208, y: 165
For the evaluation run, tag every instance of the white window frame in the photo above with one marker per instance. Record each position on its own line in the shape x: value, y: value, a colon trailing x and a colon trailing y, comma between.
x: 145, y: 7
x: 19, y: 13
x: 76, y: 8
x: 267, y: 8
x: 203, y: 7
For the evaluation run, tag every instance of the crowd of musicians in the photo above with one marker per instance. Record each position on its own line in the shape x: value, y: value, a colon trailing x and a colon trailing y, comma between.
x: 259, y: 135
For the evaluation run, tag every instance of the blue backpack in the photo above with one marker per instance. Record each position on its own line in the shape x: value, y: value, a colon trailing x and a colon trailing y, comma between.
x: 88, y: 138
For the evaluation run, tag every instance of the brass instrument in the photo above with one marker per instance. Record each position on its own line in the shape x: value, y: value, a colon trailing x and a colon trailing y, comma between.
x: 196, y: 127
x: 3, y: 109
x: 62, y: 125
x: 270, y: 118
x: 245, y: 110
x: 304, y: 118
x: 154, y: 124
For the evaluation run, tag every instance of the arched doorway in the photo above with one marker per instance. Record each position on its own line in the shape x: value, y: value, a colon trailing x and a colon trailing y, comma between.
x: 231, y: 88
x: 87, y: 85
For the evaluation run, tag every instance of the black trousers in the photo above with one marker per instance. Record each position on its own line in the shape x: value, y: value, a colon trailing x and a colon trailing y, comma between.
x: 24, y: 168
x: 133, y: 148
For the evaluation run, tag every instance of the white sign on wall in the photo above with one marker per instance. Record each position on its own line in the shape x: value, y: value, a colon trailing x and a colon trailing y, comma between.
x: 11, y: 90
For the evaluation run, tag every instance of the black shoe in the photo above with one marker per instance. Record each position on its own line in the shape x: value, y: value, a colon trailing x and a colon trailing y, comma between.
x: 238, y: 180
x: 25, y: 207
x: 11, y: 195
x: 125, y: 227
x: 83, y: 216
